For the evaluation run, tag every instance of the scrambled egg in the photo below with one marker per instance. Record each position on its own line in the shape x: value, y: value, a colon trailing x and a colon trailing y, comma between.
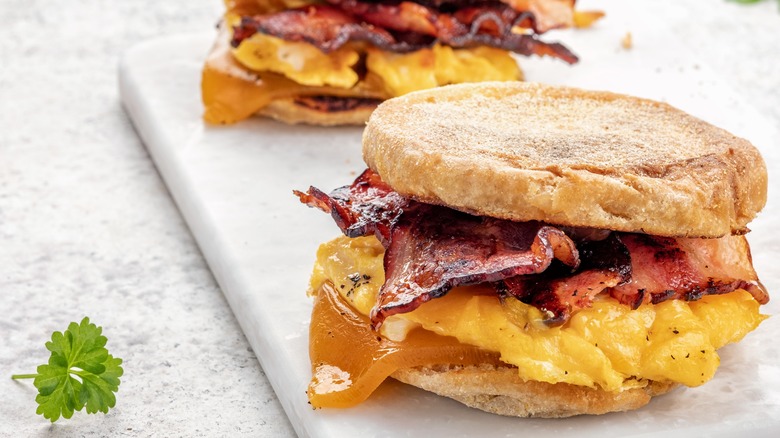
x: 301, y: 62
x: 398, y: 73
x: 607, y: 345
x: 403, y: 73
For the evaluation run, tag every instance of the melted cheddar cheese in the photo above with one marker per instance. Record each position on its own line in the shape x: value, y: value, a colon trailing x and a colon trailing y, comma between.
x: 607, y: 345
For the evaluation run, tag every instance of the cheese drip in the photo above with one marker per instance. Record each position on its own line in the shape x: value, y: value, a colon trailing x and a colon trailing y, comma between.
x: 605, y: 346
x: 349, y: 361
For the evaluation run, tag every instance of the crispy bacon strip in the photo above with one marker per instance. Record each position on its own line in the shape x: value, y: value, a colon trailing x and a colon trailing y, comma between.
x: 413, y: 27
x: 490, y: 23
x: 604, y: 264
x: 368, y: 206
x: 495, y: 26
x: 495, y: 19
x: 549, y: 14
x: 400, y: 17
x: 433, y: 249
x: 491, y: 17
x: 326, y: 27
x: 665, y: 268
x: 637, y: 269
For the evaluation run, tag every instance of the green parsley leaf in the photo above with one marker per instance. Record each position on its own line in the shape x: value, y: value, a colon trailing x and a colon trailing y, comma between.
x: 80, y: 373
x: 746, y: 2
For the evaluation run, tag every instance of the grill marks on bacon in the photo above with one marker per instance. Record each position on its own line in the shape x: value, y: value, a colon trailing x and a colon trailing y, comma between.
x: 431, y: 249
x: 402, y: 27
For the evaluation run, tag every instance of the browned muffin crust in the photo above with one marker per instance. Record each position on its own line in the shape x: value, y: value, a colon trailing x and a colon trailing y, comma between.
x: 523, y: 151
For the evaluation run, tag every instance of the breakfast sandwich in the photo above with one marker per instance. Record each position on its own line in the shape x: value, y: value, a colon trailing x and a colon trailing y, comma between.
x: 535, y: 251
x: 331, y: 62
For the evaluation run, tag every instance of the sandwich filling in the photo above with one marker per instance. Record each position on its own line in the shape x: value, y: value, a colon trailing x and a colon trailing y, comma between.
x: 355, y: 49
x: 593, y: 308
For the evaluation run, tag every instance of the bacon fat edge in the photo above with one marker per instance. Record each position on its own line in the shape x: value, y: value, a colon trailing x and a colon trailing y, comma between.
x: 430, y: 249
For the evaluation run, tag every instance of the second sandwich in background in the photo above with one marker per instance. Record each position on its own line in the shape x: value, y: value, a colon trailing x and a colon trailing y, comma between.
x: 333, y: 62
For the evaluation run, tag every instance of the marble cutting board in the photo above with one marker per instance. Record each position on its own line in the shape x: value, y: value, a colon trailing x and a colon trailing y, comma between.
x: 233, y: 185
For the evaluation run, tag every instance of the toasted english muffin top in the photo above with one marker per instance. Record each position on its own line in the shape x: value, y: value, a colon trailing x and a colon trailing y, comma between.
x: 524, y: 151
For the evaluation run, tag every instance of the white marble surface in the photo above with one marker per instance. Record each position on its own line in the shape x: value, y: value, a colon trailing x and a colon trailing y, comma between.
x: 87, y: 227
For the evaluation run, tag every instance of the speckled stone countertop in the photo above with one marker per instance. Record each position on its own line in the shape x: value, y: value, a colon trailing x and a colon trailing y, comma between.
x: 88, y: 228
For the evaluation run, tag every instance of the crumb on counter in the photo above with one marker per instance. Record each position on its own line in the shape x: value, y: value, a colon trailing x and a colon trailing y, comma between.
x: 627, y: 42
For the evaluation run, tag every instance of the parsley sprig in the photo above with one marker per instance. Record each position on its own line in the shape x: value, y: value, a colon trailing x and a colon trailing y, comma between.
x: 749, y: 1
x: 80, y: 373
